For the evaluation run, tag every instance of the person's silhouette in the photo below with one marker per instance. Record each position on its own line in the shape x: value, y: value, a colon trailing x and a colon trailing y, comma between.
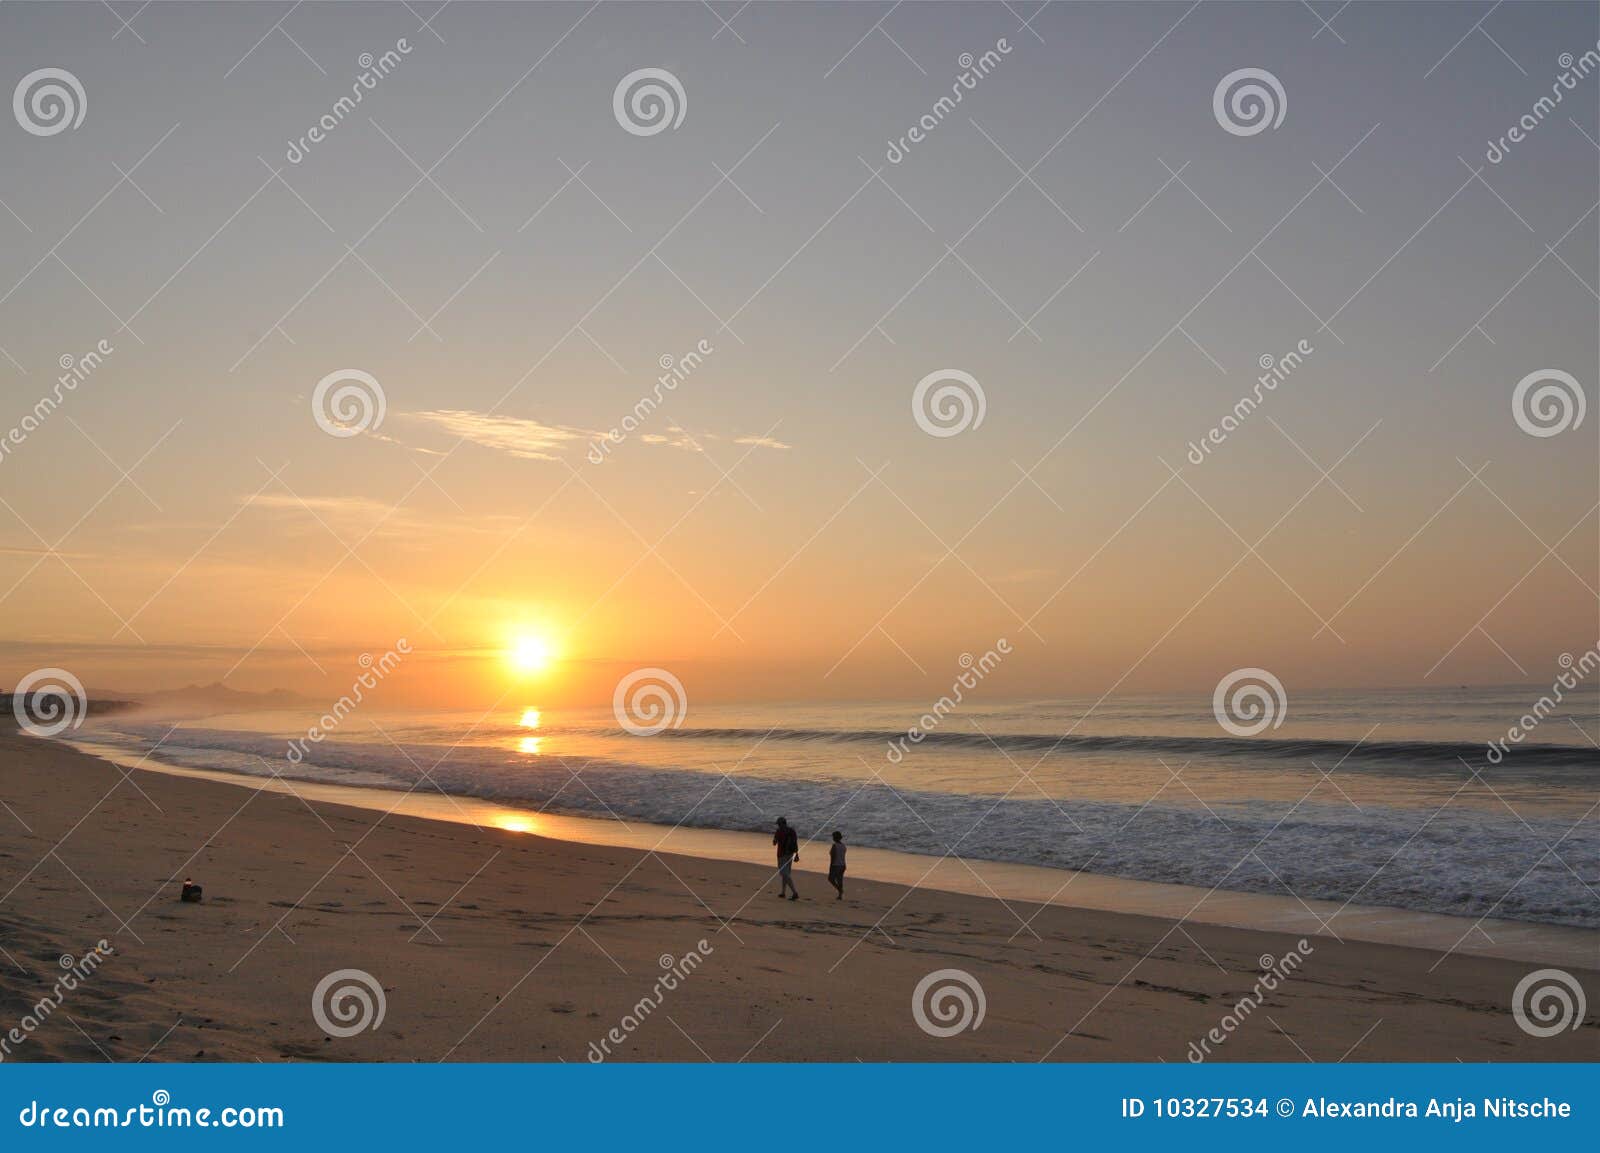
x: 836, y: 863
x: 788, y: 842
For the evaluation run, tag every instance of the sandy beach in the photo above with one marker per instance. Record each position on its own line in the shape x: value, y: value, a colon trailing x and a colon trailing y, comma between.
x: 497, y: 945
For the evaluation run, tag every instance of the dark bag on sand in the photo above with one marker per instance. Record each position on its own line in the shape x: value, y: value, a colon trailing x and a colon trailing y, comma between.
x: 191, y: 892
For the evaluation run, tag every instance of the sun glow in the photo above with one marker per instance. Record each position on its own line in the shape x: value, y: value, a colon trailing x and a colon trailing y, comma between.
x: 530, y: 653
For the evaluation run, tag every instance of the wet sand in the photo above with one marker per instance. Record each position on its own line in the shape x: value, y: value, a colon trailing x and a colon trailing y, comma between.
x: 492, y: 944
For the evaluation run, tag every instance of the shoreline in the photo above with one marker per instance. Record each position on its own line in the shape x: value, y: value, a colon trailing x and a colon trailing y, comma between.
x: 1005, y: 881
x: 494, y: 945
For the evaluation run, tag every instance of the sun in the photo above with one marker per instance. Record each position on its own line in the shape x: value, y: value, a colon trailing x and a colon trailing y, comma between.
x: 531, y: 653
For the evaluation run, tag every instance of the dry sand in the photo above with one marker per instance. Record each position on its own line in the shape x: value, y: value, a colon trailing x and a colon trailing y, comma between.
x: 492, y: 945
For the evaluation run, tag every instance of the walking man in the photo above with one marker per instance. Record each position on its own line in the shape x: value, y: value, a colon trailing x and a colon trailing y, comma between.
x: 788, y: 842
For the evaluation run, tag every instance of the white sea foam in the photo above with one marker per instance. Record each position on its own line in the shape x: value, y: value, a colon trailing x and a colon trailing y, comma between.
x: 1457, y: 859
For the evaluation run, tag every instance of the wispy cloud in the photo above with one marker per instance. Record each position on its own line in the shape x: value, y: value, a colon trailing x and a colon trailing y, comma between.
x: 344, y: 507
x: 535, y: 440
x: 676, y: 437
x: 528, y: 439
x: 690, y: 441
x: 350, y: 514
x: 761, y: 441
x: 26, y: 550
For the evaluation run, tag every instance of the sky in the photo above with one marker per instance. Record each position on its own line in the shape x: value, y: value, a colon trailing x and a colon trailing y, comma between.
x: 1086, y: 238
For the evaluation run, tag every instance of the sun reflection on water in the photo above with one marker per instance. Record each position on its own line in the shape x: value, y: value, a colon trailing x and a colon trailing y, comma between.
x: 529, y: 720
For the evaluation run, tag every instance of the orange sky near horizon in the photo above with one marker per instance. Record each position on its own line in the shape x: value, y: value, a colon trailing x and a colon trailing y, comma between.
x: 780, y: 523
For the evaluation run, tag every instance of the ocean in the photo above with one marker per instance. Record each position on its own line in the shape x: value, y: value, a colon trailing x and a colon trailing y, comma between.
x: 1375, y: 799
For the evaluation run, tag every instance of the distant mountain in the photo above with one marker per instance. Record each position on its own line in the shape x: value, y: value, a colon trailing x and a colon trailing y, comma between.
x: 216, y: 696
